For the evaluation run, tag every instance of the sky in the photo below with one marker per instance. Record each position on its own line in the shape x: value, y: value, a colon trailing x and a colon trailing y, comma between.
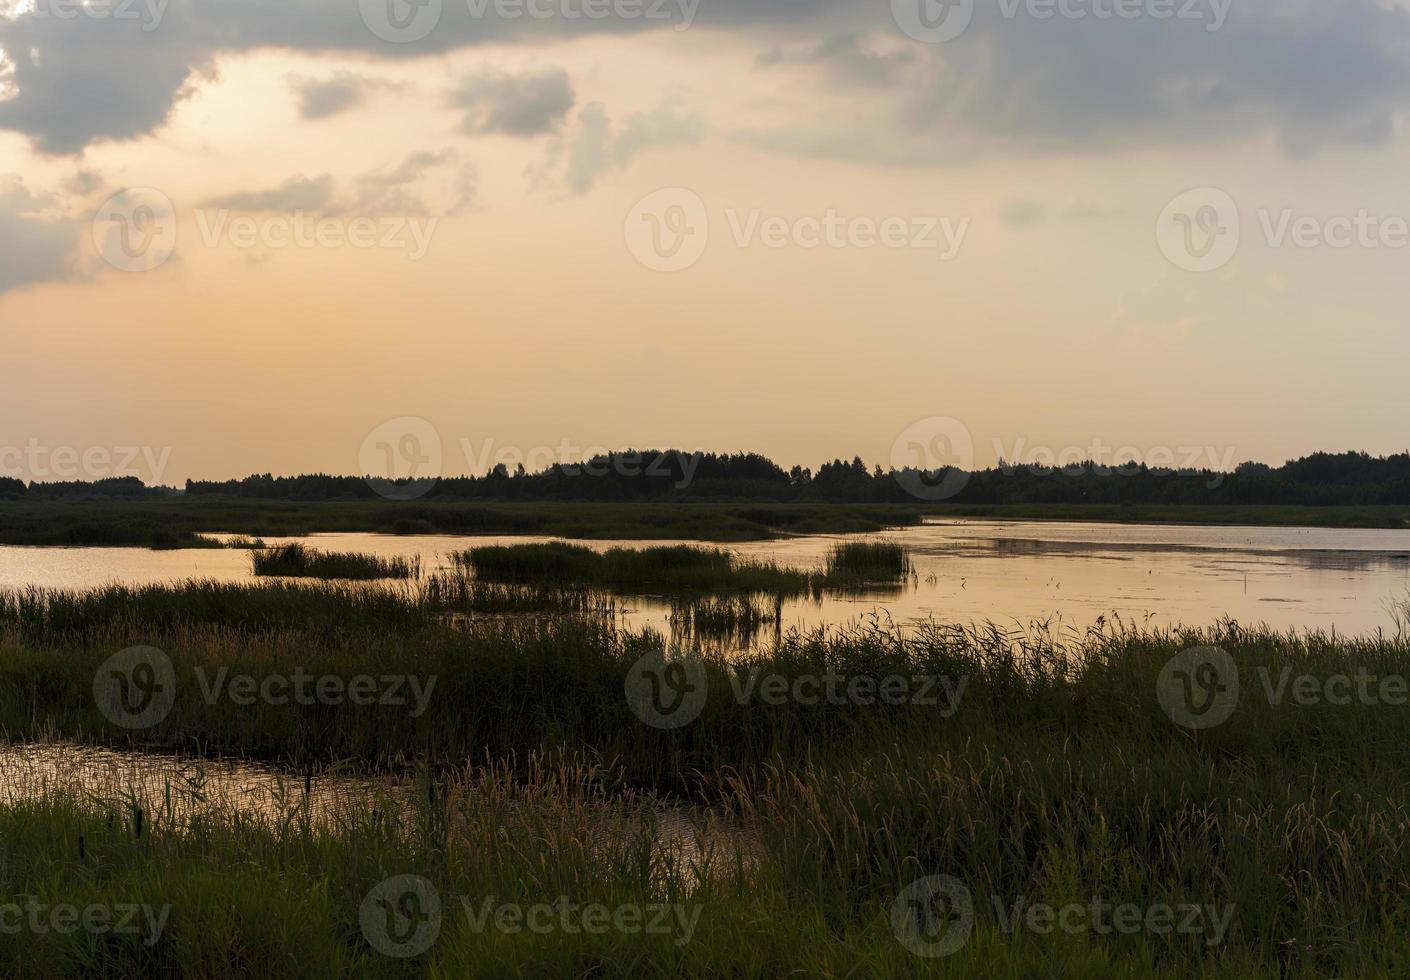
x: 307, y: 235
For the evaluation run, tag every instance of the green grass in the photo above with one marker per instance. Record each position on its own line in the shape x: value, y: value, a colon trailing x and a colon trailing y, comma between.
x: 333, y: 611
x: 1057, y: 778
x: 300, y: 561
x: 241, y: 542
x: 682, y: 569
x: 178, y: 522
x: 1057, y: 782
x: 1368, y: 516
x: 732, y: 619
x: 282, y: 898
x: 665, y: 570
x: 861, y: 562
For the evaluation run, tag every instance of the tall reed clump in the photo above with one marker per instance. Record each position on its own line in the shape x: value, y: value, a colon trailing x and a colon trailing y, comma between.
x: 862, y: 562
x: 297, y: 560
x: 737, y: 619
x: 666, y: 569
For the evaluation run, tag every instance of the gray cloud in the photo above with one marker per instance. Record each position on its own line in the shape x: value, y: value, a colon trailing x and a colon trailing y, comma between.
x: 321, y: 98
x: 1023, y: 213
x: 403, y: 189
x: 83, y: 80
x: 599, y: 146
x: 847, y: 60
x: 527, y: 104
x: 34, y: 248
x: 1311, y: 74
x: 295, y: 194
x: 390, y: 192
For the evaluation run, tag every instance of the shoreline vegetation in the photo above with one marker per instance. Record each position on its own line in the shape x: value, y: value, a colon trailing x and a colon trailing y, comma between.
x: 681, y: 569
x: 181, y: 522
x: 698, y: 496
x: 297, y: 560
x: 1032, y: 767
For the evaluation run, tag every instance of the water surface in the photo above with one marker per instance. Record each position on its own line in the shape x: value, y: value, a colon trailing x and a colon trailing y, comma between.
x: 1012, y: 572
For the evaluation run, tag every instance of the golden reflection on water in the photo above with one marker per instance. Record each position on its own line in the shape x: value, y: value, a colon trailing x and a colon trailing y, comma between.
x: 966, y: 571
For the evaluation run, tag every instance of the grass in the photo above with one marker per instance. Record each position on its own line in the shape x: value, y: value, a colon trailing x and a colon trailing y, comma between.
x: 1059, y: 780
x: 861, y: 562
x: 241, y: 542
x: 733, y: 619
x: 682, y: 569
x: 791, y: 823
x: 334, y: 612
x: 666, y: 570
x: 1265, y: 515
x: 284, y: 897
x: 178, y: 522
x: 300, y: 561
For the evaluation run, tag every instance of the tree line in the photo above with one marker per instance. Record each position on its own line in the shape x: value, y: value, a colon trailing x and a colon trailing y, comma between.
x: 1321, y: 479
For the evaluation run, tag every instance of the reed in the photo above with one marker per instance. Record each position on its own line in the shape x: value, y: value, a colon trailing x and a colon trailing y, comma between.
x: 860, y: 562
x: 297, y: 560
x: 683, y: 569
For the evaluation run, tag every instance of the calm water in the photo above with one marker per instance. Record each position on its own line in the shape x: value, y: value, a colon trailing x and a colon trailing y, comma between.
x: 966, y: 571
x: 1067, y: 574
x: 176, y: 788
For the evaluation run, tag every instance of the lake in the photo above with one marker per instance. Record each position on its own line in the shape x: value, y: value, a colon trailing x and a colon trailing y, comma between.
x: 1066, y: 574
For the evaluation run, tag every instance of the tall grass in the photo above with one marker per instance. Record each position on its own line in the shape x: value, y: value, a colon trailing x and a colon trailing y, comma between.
x: 795, y: 870
x: 84, y: 617
x: 683, y: 569
x: 1057, y: 778
x: 672, y: 569
x: 177, y: 522
x: 860, y: 562
x: 733, y: 619
x: 296, y: 560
